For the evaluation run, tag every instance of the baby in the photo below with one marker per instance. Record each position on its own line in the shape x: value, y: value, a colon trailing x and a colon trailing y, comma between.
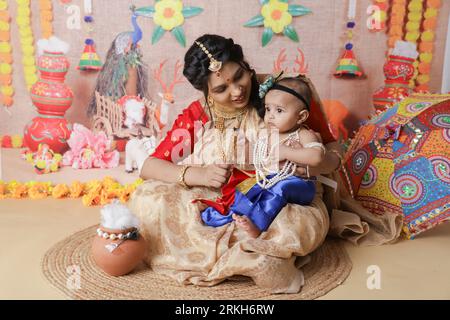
x: 258, y: 198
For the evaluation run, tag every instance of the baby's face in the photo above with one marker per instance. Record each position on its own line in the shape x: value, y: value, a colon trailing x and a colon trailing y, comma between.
x: 282, y: 110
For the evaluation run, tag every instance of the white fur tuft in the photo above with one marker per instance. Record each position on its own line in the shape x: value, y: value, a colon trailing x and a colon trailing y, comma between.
x: 117, y: 216
x: 52, y: 44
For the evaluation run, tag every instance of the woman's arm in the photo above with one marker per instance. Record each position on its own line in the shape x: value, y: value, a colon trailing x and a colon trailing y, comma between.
x: 214, y: 176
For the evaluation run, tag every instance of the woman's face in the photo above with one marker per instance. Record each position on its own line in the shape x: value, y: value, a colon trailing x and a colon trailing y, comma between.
x: 232, y: 86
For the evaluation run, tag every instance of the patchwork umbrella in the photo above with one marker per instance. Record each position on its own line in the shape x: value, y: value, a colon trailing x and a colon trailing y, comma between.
x: 399, y: 162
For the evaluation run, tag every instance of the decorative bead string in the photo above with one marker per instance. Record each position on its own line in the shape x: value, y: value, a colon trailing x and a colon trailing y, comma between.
x: 261, y: 156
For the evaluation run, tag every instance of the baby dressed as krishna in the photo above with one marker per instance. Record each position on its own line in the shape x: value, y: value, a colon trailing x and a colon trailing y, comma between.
x: 254, y: 198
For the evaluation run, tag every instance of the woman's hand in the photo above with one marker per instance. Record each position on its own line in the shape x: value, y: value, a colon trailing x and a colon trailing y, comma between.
x: 215, y: 175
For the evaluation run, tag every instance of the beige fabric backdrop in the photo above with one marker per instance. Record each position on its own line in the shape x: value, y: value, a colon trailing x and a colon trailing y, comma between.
x: 321, y: 38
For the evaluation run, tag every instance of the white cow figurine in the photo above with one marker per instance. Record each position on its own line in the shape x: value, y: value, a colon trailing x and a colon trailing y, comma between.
x: 137, y: 150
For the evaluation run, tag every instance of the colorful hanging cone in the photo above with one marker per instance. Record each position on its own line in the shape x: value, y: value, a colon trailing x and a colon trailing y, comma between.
x: 348, y: 66
x: 89, y: 59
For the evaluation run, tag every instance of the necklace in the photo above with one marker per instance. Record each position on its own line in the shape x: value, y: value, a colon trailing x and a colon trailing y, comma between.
x: 219, y: 118
x: 261, y: 157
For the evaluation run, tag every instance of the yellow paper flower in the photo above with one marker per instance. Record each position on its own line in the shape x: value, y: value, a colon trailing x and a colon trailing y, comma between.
x: 276, y: 15
x: 168, y: 14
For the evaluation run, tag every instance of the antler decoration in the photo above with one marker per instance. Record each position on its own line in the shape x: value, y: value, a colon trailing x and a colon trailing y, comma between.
x: 302, y: 66
x: 157, y: 74
x: 176, y: 78
x: 278, y: 64
x: 300, y: 61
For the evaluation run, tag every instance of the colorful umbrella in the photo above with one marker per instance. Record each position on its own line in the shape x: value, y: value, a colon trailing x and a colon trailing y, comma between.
x: 399, y: 162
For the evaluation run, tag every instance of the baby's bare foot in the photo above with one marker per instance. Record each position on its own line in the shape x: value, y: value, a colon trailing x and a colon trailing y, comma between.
x: 246, y: 224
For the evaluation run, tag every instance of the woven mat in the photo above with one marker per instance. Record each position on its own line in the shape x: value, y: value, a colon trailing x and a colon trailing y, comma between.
x: 329, y: 267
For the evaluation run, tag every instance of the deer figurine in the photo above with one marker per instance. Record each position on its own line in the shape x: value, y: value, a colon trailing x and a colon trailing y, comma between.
x: 167, y: 98
x: 301, y: 68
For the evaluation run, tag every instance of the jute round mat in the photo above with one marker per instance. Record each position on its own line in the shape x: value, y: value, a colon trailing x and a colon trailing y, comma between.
x: 69, y: 266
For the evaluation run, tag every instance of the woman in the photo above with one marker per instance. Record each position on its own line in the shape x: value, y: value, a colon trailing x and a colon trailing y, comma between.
x: 179, y: 244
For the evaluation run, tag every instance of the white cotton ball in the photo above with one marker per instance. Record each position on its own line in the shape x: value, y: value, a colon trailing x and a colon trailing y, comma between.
x: 405, y: 49
x: 117, y: 216
x: 52, y: 44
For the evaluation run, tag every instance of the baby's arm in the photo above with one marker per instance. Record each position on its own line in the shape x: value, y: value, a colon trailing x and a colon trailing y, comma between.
x: 304, y: 156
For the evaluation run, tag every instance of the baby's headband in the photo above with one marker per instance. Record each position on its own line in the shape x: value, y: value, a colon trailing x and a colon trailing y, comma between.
x: 214, y: 65
x: 271, y: 84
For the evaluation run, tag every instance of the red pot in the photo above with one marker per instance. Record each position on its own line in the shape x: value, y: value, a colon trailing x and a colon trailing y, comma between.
x: 123, y: 259
x: 51, y: 97
x: 398, y: 71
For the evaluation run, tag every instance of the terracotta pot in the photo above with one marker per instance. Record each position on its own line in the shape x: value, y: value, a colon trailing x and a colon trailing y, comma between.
x: 123, y: 259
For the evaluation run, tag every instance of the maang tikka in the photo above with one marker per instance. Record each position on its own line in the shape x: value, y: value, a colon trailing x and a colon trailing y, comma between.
x: 214, y: 65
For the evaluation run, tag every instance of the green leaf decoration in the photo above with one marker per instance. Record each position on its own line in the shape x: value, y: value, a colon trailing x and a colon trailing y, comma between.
x: 285, y: 1
x: 157, y: 34
x: 256, y: 21
x: 267, y: 36
x: 263, y: 2
x: 290, y: 32
x: 191, y: 11
x: 145, y: 11
x: 297, y: 10
x: 178, y: 32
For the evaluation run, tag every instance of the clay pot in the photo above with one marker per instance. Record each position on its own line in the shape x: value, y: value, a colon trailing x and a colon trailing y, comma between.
x: 123, y: 259
x: 51, y: 97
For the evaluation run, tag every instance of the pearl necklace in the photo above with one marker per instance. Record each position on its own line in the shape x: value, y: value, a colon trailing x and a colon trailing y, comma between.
x: 260, y: 157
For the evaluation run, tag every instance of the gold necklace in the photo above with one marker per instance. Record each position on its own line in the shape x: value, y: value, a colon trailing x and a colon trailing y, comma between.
x: 219, y: 123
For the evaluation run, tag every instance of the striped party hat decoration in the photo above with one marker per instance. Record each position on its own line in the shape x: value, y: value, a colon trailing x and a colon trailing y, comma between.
x: 89, y: 59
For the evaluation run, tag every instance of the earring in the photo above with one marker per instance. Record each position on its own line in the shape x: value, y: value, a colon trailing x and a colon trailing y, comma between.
x: 210, y: 101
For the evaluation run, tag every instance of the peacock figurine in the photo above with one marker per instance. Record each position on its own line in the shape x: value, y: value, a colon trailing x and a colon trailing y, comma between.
x: 123, y: 56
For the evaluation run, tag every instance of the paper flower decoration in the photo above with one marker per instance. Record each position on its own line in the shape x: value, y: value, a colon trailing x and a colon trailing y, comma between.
x: 276, y: 17
x: 169, y: 15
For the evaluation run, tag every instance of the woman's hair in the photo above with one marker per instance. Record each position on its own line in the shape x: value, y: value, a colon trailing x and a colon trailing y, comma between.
x: 196, y: 63
x: 298, y: 85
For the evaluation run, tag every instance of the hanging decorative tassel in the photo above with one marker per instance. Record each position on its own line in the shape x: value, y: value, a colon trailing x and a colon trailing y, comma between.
x: 90, y: 60
x: 348, y: 65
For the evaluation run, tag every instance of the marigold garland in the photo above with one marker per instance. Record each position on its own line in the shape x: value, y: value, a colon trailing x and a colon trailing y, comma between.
x: 6, y: 58
x: 92, y: 193
x: 397, y: 16
x: 46, y: 15
x: 413, y: 28
x: 26, y: 39
x: 426, y: 45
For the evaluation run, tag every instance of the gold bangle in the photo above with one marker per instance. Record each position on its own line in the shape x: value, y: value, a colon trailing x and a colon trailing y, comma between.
x: 181, y: 180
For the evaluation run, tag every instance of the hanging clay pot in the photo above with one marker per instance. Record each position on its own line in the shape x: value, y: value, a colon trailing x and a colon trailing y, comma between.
x: 122, y: 259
